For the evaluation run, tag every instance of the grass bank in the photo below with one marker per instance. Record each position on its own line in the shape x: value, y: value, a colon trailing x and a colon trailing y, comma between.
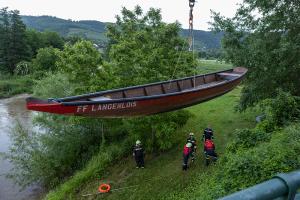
x: 13, y: 85
x: 207, y: 66
x: 163, y: 175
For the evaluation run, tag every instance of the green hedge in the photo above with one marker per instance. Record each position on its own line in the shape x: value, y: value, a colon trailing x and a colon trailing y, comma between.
x: 10, y: 86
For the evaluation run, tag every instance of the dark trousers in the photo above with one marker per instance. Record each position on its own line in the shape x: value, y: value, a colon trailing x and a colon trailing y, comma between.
x: 193, y: 153
x: 139, y: 161
x: 185, y: 162
x: 210, y: 155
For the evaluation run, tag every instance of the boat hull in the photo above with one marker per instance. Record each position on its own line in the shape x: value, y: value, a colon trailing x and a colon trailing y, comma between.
x: 133, y: 107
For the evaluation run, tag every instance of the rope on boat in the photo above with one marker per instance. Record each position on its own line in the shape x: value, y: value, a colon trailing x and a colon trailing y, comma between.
x: 191, y: 41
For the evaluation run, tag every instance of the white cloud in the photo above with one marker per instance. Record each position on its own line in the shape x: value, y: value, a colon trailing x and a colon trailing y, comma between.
x: 106, y: 10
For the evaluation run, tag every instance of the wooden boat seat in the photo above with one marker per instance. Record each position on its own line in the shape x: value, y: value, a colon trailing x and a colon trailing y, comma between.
x: 206, y: 85
x: 228, y: 74
x: 101, y: 98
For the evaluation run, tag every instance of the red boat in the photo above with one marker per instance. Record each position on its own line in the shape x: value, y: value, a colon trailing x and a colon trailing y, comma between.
x: 144, y: 99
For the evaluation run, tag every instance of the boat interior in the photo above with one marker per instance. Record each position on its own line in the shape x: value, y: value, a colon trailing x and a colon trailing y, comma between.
x: 166, y: 87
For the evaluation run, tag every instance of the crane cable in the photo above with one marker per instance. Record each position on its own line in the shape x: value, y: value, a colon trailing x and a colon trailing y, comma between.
x: 191, y: 28
x: 190, y: 42
x: 191, y: 35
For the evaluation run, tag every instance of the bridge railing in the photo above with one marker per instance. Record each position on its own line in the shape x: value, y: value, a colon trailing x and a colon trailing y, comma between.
x: 282, y: 186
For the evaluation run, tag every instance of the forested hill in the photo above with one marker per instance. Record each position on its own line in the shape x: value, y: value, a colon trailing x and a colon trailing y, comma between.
x: 88, y: 29
x: 95, y: 30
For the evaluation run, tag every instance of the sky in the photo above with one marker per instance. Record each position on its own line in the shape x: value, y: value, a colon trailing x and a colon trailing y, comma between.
x: 106, y: 11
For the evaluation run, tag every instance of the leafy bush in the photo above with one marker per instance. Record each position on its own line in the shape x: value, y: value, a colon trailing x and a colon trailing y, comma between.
x: 158, y: 132
x: 15, y: 85
x: 56, y: 151
x: 45, y: 60
x: 245, y: 139
x: 54, y: 85
x: 281, y: 109
x: 23, y: 68
x: 248, y: 167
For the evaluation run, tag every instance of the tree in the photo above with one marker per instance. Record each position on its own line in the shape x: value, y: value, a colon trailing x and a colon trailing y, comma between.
x: 53, y: 39
x: 4, y: 38
x: 264, y: 36
x: 82, y: 62
x: 17, y: 49
x: 13, y: 46
x: 18, y: 44
x: 73, y: 39
x: 143, y: 49
x: 158, y: 132
x: 35, y: 41
x: 46, y: 59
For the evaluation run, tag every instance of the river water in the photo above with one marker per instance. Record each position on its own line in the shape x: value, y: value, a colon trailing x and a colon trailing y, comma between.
x: 13, y: 110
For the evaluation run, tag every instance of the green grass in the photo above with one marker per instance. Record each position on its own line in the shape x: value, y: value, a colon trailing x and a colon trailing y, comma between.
x: 163, y: 175
x: 207, y: 66
x: 13, y: 85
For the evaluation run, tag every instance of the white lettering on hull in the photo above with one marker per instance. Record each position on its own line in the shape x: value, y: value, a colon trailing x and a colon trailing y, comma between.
x: 104, y: 107
x: 82, y: 108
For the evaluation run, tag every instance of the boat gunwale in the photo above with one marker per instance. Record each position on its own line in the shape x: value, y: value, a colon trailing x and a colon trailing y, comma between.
x: 77, y: 103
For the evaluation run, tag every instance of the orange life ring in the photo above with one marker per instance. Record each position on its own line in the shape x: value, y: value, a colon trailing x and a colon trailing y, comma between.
x: 104, y: 188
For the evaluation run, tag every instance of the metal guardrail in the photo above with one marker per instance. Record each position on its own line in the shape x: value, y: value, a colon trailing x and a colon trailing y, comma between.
x: 282, y: 186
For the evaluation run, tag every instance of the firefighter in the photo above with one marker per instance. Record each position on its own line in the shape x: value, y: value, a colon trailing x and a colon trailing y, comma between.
x: 187, y: 150
x: 209, y: 151
x: 208, y: 134
x: 138, y: 153
x: 191, y: 139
